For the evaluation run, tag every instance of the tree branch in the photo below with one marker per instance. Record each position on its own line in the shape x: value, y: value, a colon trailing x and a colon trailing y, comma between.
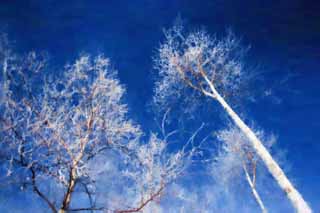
x: 144, y: 203
x: 39, y: 193
x: 87, y: 209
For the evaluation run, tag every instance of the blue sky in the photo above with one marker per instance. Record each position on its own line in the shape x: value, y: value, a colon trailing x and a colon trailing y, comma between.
x: 284, y: 37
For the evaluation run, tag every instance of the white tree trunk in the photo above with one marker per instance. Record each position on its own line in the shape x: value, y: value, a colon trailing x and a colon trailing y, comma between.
x: 254, y: 191
x: 294, y: 196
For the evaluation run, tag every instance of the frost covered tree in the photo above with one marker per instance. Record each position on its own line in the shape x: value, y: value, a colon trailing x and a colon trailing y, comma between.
x: 52, y: 128
x: 213, y: 68
x: 155, y: 168
x: 66, y: 137
x: 236, y: 157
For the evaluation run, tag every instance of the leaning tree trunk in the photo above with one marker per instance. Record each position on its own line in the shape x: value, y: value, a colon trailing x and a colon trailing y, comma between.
x: 254, y: 191
x: 294, y: 196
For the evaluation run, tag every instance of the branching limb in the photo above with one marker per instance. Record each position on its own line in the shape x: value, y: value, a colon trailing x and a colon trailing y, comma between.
x: 144, y: 203
x: 39, y: 193
x: 253, y: 189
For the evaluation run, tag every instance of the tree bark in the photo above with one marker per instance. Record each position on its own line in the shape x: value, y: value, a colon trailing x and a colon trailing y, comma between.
x: 294, y: 196
x: 67, y: 196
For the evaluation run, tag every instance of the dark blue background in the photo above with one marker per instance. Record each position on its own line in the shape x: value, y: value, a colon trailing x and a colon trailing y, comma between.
x: 284, y: 36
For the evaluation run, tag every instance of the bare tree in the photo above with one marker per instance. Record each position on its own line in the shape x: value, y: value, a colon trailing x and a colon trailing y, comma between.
x: 157, y: 167
x: 52, y: 128
x: 236, y: 155
x: 71, y: 130
x: 213, y: 68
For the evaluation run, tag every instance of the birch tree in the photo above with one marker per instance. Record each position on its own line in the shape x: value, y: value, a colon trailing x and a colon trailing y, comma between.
x: 213, y: 68
x: 236, y: 158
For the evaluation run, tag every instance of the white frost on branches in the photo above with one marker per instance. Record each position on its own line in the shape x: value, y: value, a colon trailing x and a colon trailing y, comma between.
x: 235, y: 151
x: 182, y: 54
x: 212, y: 68
x: 71, y: 132
x: 51, y: 128
x: 151, y: 173
x: 237, y: 161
